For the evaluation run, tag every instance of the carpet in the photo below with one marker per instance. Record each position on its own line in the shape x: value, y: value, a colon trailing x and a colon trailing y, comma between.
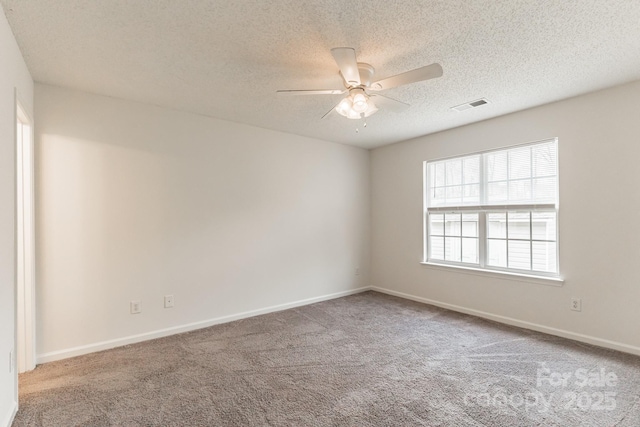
x: 363, y: 360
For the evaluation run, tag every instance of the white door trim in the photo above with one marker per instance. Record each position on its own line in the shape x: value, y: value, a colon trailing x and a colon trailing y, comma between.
x: 25, y: 241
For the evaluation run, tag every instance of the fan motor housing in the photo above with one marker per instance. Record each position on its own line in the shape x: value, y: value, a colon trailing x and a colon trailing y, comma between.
x: 366, y: 73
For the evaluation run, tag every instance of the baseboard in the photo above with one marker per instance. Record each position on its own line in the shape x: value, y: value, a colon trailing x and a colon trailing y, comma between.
x: 8, y: 420
x: 614, y: 345
x: 132, y: 339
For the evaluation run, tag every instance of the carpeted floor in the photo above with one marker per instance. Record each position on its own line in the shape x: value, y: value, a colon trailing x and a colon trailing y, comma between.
x: 363, y: 360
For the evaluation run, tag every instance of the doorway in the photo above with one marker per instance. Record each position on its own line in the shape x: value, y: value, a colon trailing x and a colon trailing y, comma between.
x: 25, y: 242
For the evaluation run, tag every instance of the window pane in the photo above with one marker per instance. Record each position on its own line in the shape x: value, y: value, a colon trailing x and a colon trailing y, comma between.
x: 497, y: 225
x: 527, y: 175
x: 454, y: 195
x: 544, y: 256
x: 470, y: 225
x: 439, y: 175
x: 519, y: 226
x: 496, y: 166
x: 437, y: 197
x: 437, y: 248
x: 497, y: 253
x: 452, y: 249
x: 431, y: 173
x: 520, y: 191
x: 543, y: 225
x: 436, y: 224
x: 471, y: 170
x: 471, y: 194
x: 519, y: 255
x: 544, y: 190
x: 520, y: 163
x: 497, y: 192
x: 470, y: 250
x: 452, y: 225
x: 545, y: 159
x: 454, y: 172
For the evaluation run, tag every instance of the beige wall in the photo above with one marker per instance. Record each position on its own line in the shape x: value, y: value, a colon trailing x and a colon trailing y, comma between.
x: 134, y: 202
x: 599, y: 148
x: 14, y: 78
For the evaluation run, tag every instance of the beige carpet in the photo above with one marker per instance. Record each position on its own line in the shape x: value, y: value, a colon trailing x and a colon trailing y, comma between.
x: 364, y: 360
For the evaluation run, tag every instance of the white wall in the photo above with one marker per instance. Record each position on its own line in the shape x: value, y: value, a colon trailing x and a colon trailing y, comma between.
x: 14, y: 77
x: 134, y: 202
x: 599, y: 226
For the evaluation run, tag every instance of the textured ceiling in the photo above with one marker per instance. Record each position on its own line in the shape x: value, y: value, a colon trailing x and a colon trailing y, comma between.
x: 226, y: 59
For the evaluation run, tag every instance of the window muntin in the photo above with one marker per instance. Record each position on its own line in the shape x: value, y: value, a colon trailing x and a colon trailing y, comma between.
x: 495, y: 210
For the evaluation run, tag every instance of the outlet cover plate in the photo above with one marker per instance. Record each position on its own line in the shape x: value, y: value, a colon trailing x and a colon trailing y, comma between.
x: 136, y: 307
x: 576, y: 304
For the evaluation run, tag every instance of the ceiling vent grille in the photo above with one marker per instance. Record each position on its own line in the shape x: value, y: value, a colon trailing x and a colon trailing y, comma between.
x: 469, y: 105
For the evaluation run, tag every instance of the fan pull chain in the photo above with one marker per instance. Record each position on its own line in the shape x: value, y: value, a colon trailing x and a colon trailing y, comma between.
x: 364, y: 120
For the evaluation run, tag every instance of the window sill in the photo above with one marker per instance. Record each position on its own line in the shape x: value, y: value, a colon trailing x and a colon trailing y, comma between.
x: 529, y: 278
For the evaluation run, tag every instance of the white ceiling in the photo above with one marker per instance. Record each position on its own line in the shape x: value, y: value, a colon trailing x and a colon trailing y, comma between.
x: 226, y: 59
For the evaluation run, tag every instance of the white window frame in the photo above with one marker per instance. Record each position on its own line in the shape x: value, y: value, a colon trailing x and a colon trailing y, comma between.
x: 483, y: 209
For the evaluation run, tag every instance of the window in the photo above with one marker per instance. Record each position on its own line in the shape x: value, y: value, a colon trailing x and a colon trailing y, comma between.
x: 495, y: 210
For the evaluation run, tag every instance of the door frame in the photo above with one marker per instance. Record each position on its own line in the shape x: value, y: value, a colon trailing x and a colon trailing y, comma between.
x: 25, y: 240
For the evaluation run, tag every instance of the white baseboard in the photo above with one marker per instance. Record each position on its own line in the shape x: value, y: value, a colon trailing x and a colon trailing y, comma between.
x: 614, y: 345
x: 8, y: 419
x: 105, y: 345
x: 118, y: 342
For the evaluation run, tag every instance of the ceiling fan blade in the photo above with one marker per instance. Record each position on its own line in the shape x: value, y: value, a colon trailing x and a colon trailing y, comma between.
x: 346, y: 59
x: 389, y: 103
x: 419, y: 74
x: 311, y: 92
x: 330, y: 111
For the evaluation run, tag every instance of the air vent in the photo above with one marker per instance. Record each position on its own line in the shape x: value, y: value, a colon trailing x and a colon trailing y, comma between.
x: 472, y: 104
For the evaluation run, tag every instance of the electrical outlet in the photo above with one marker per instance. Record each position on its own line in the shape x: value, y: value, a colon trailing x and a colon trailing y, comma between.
x: 168, y: 301
x: 576, y: 304
x: 357, y: 271
x: 136, y: 307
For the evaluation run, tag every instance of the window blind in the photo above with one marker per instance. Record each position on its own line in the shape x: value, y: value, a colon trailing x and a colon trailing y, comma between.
x: 522, y: 175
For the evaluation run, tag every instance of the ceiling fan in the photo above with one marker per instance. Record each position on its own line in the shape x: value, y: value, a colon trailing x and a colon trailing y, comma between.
x: 357, y: 78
